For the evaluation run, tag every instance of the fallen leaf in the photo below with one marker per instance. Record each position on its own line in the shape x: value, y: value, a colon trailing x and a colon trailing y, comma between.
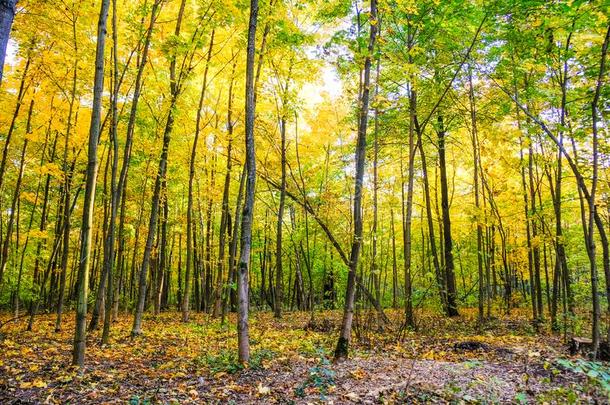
x: 262, y: 390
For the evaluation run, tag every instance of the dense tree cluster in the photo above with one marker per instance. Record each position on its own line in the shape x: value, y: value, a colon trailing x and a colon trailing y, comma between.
x: 220, y: 156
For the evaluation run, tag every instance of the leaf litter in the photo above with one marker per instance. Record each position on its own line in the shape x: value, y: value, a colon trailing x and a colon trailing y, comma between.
x: 445, y: 361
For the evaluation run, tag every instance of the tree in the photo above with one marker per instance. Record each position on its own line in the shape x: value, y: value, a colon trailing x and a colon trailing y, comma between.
x: 7, y: 14
x: 342, y: 349
x: 80, y: 334
x: 449, y: 276
x: 243, y: 340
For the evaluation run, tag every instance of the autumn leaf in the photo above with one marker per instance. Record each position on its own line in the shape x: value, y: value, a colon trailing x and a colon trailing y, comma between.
x: 262, y: 390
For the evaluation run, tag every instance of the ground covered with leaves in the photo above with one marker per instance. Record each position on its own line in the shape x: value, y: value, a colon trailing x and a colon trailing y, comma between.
x: 445, y: 360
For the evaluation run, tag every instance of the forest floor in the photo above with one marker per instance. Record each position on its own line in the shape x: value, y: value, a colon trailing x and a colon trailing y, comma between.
x: 445, y: 360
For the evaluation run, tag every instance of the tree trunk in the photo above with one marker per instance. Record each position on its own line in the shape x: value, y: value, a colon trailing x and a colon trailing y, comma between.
x: 7, y: 14
x: 108, y: 262
x: 279, y: 272
x: 189, y: 207
x: 243, y: 340
x: 477, y: 203
x: 430, y: 221
x: 14, y: 214
x: 159, y: 180
x: 78, y: 355
x: 394, y: 263
x: 589, y: 236
x: 11, y: 129
x: 407, y: 211
x: 230, y: 298
x: 536, y: 282
x: 342, y: 349
x: 447, y: 241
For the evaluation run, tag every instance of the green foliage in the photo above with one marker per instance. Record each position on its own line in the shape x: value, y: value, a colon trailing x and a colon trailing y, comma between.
x: 226, y: 361
x: 521, y: 398
x: 597, y: 372
x: 320, y: 377
x: 560, y: 395
x: 136, y: 400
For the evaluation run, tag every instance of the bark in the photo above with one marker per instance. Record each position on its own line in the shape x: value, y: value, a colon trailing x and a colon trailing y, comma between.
x: 247, y: 214
x: 7, y: 14
x: 189, y: 207
x: 115, y: 191
x: 206, y: 274
x: 530, y: 257
x: 279, y: 272
x: 78, y: 355
x: 590, y: 237
x: 342, y: 349
x: 477, y: 203
x: 230, y: 298
x: 159, y: 275
x: 17, y: 290
x: 452, y: 309
x: 98, y: 308
x: 14, y: 214
x: 375, y: 272
x: 394, y: 263
x: 536, y: 282
x: 159, y: 180
x: 430, y: 221
x: 225, y: 217
x: 11, y: 129
x: 67, y: 184
x: 122, y: 185
x: 407, y: 211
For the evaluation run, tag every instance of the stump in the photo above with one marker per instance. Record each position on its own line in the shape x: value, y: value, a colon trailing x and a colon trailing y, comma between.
x: 584, y: 346
x: 580, y: 345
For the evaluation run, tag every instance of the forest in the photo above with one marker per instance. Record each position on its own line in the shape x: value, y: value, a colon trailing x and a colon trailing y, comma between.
x: 301, y: 201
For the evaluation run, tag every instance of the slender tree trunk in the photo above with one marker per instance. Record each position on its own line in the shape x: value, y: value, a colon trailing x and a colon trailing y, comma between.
x: 590, y: 237
x: 342, y: 349
x: 160, y: 179
x: 536, y: 282
x: 225, y: 217
x: 530, y: 256
x: 561, y: 272
x: 17, y: 290
x: 189, y: 207
x: 279, y: 271
x: 452, y: 309
x: 4, y: 253
x: 394, y: 263
x: 78, y: 355
x: 122, y: 185
x: 407, y: 210
x: 230, y: 295
x: 11, y: 128
x: 243, y: 339
x: 7, y: 14
x: 430, y: 221
x: 206, y: 273
x: 375, y: 271
x: 162, y: 252
x: 108, y: 262
x: 14, y: 214
x: 477, y: 203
